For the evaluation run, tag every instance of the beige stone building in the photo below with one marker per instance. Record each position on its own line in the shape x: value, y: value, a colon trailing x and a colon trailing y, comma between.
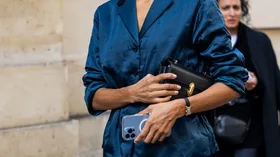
x: 43, y: 45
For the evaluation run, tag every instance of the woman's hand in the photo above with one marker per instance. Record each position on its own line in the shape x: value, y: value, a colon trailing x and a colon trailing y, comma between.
x: 161, y: 120
x: 149, y: 90
x: 252, y: 81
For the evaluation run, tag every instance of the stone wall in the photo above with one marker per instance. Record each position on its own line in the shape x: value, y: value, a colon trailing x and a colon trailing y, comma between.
x: 43, y: 44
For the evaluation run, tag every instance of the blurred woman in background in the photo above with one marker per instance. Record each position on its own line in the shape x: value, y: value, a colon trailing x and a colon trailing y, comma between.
x: 262, y: 88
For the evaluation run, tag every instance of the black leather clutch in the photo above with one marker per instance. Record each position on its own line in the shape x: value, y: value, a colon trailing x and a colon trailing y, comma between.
x: 191, y: 81
x: 231, y: 129
x: 226, y: 127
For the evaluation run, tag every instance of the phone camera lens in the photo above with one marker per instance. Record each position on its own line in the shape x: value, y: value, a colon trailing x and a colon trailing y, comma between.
x: 129, y: 131
x: 127, y: 136
x: 132, y: 135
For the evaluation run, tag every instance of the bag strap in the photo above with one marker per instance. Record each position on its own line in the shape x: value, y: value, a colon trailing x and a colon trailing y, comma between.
x: 168, y: 61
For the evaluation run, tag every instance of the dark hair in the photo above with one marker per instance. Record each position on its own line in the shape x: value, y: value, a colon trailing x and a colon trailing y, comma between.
x: 245, y: 10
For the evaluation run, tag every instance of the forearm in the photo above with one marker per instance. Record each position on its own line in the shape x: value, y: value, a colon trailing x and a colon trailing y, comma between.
x: 108, y: 99
x: 148, y: 90
x: 213, y: 97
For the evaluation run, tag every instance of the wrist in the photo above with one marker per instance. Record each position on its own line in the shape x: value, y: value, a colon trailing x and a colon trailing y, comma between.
x: 130, y: 94
x: 181, y: 103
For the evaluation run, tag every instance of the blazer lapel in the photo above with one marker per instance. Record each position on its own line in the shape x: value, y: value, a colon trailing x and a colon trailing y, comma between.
x: 156, y: 10
x: 127, y: 12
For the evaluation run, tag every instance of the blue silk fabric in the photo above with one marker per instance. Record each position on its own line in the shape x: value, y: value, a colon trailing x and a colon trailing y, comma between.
x: 191, y: 31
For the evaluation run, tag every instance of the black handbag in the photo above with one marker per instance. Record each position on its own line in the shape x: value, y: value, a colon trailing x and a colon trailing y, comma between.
x: 226, y: 127
x: 231, y: 129
x: 191, y: 81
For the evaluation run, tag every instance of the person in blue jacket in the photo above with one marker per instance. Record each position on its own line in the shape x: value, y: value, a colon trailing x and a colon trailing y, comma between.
x: 130, y: 38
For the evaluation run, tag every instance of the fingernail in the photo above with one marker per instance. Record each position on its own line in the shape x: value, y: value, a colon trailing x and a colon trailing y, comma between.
x: 176, y: 92
x: 174, y: 75
x: 179, y: 87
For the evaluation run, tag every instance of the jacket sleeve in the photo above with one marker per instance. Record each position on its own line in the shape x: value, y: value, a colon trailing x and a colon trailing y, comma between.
x: 275, y: 68
x: 277, y: 82
x: 212, y: 40
x: 93, y: 79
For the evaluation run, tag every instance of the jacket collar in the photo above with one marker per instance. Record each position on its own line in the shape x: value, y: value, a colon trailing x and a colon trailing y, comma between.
x: 127, y: 11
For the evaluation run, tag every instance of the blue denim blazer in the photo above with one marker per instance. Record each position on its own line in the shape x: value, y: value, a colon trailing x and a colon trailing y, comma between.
x: 191, y: 31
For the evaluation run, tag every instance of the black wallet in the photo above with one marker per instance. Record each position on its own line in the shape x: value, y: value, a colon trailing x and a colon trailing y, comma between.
x: 191, y: 81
